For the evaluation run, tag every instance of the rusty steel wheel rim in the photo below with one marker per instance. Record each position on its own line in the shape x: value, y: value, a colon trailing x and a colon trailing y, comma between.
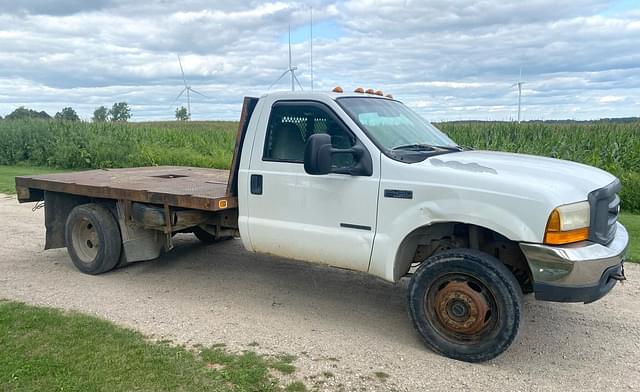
x: 461, y: 308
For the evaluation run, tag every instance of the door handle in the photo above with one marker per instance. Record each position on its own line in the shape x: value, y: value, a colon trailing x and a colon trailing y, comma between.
x: 256, y: 184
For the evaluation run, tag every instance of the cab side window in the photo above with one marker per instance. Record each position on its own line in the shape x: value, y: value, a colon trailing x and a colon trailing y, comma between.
x: 291, y: 124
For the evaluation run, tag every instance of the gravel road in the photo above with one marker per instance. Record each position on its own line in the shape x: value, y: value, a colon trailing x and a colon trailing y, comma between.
x: 344, y: 327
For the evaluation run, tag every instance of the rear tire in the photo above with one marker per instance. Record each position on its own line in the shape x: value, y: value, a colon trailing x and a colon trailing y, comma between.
x: 93, y: 240
x: 206, y: 237
x: 465, y: 304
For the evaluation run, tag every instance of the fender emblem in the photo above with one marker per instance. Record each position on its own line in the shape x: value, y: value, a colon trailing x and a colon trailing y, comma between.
x: 398, y: 194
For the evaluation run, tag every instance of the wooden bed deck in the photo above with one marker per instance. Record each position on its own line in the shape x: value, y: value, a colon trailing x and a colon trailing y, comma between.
x: 186, y: 187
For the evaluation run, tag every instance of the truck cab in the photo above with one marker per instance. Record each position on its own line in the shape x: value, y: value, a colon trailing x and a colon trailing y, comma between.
x: 360, y: 181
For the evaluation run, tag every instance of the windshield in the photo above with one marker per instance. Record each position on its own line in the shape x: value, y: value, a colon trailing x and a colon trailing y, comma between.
x: 392, y: 125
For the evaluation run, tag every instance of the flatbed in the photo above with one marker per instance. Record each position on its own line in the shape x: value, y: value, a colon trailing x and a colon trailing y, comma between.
x: 175, y: 186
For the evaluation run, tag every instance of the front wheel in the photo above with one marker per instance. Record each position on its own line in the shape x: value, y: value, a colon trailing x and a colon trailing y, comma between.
x: 465, y: 304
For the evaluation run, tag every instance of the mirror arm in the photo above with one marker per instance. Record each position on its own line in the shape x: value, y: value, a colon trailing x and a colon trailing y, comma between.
x: 356, y: 151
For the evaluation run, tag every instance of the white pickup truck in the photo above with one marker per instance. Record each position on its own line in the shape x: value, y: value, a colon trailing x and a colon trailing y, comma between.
x: 359, y: 181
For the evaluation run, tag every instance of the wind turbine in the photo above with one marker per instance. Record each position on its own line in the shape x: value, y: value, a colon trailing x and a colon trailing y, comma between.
x: 188, y: 89
x: 291, y: 70
x: 519, y: 84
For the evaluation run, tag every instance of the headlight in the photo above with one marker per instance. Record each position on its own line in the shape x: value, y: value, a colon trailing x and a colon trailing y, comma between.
x: 568, y: 223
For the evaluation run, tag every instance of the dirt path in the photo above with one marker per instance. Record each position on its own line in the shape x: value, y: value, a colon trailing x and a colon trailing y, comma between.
x: 346, y: 324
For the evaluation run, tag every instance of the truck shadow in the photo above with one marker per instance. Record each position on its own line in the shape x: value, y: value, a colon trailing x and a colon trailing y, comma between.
x: 270, y: 292
x: 276, y: 287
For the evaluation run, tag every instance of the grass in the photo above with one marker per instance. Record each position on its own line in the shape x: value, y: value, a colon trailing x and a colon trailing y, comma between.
x: 8, y: 174
x: 296, y: 386
x: 247, y: 371
x: 44, y: 349
x: 632, y: 223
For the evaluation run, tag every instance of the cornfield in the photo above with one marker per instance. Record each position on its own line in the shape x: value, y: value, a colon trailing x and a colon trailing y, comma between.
x: 613, y: 147
x: 81, y: 145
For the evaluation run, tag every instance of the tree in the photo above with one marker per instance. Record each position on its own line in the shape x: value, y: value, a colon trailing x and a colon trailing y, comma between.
x: 24, y: 113
x: 120, y: 112
x: 67, y: 114
x: 182, y: 114
x: 101, y: 114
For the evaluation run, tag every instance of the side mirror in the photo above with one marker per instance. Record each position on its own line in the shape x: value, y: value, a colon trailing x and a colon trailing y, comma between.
x: 317, y: 154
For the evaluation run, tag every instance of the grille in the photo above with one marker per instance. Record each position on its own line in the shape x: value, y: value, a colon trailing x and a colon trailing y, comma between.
x: 604, y: 204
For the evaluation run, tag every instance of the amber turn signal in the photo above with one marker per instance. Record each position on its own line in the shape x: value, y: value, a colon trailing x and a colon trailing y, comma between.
x: 566, y: 237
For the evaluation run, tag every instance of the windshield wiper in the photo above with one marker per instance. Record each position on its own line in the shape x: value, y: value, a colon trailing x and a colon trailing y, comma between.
x: 414, y: 146
x: 450, y: 148
x: 425, y: 147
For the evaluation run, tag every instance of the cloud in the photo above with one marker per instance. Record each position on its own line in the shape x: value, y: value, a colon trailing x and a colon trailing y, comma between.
x: 611, y: 99
x: 448, y: 60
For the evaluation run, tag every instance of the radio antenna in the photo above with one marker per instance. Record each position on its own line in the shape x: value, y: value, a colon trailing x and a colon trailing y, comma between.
x: 311, y: 42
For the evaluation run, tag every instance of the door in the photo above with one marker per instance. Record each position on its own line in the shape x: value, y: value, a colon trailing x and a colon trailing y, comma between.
x: 328, y: 219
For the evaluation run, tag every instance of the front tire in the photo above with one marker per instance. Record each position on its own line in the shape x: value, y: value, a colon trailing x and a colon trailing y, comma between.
x: 465, y: 304
x: 93, y: 240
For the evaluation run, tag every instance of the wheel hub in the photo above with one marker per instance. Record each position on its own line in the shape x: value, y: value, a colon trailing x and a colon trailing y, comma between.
x: 85, y: 240
x: 460, y: 308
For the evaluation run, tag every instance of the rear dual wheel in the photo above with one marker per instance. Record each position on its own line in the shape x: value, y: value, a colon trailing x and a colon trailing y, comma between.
x: 465, y: 304
x: 93, y: 240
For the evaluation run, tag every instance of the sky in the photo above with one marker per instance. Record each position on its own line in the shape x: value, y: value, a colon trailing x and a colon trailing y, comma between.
x: 447, y: 59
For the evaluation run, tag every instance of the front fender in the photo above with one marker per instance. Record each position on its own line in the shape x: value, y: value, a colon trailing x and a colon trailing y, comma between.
x: 395, y: 226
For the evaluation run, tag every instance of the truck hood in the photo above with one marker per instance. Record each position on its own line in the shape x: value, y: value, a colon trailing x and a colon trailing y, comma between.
x: 505, y: 172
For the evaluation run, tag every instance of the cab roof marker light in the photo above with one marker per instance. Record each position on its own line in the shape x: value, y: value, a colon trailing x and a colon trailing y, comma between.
x: 337, y: 89
x: 359, y: 90
x: 389, y: 96
x: 369, y: 91
x: 380, y: 93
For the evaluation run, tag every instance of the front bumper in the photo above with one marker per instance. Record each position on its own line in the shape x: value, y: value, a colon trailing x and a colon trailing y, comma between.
x: 581, y: 272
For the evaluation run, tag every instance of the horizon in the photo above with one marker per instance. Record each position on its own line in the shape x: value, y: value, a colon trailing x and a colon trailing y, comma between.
x: 562, y: 120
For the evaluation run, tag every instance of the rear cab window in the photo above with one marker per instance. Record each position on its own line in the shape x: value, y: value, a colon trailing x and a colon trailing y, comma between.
x: 290, y: 125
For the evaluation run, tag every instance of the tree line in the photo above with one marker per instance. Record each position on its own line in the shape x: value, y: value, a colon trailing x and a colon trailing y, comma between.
x: 119, y: 112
